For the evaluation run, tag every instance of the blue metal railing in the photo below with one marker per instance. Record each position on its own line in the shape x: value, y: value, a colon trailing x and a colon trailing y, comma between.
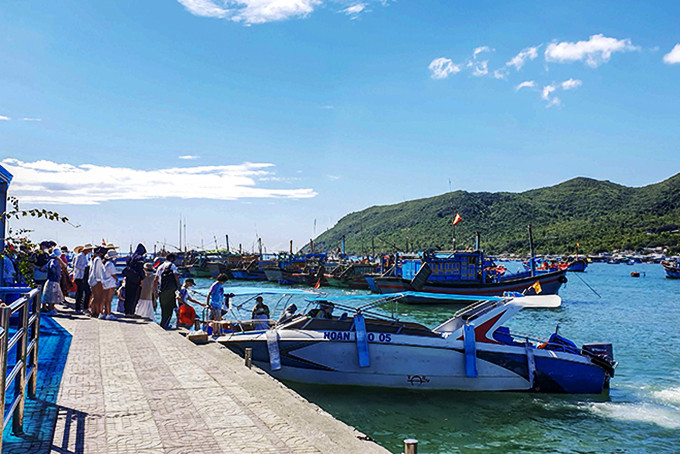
x: 25, y: 337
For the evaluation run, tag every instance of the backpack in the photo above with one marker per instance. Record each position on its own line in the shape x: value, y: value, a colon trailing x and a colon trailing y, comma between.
x: 168, y: 281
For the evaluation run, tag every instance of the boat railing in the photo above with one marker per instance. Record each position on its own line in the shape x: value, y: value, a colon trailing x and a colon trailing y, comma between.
x: 25, y: 369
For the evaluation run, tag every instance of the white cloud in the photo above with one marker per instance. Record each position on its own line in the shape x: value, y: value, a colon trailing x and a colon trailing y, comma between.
x: 31, y: 119
x: 4, y: 118
x: 547, y: 90
x: 333, y: 177
x: 188, y: 156
x: 261, y: 11
x: 525, y: 84
x: 528, y: 53
x: 553, y: 102
x: 479, y: 50
x: 597, y: 50
x: 480, y: 68
x: 500, y: 73
x: 570, y: 84
x: 441, y: 68
x: 251, y: 11
x: 48, y: 182
x: 355, y: 10
x: 673, y: 56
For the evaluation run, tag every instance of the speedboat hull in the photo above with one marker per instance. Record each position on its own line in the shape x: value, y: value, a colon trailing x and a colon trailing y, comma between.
x: 413, y: 362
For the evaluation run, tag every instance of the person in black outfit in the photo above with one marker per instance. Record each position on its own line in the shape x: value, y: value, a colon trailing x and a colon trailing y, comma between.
x: 134, y: 274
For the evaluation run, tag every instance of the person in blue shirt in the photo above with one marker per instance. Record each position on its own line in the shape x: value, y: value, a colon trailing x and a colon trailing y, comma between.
x: 216, y: 298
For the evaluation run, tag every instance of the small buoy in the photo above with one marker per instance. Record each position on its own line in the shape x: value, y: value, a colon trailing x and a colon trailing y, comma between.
x: 634, y: 274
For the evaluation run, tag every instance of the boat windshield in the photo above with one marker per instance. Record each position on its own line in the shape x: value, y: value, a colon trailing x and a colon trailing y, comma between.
x: 468, y: 314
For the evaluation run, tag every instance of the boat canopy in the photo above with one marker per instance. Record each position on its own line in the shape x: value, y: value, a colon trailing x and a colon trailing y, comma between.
x: 441, y: 296
x: 249, y: 291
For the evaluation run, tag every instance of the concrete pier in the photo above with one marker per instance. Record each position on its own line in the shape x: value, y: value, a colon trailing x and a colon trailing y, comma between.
x: 131, y: 387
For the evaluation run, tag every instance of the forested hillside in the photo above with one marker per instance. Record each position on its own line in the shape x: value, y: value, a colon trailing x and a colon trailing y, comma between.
x: 599, y: 215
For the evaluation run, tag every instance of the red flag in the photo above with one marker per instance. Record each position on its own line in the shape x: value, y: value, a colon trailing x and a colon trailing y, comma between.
x: 318, y: 284
x: 457, y: 219
x: 103, y: 242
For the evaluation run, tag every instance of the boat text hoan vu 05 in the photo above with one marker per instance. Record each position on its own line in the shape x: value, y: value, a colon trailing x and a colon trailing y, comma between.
x: 463, y: 273
x: 335, y: 344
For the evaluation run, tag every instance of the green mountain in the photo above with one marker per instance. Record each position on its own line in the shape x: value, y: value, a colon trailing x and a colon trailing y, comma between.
x: 599, y: 215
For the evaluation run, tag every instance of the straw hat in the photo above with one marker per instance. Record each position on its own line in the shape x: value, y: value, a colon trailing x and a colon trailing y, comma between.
x: 111, y: 254
x: 148, y: 266
x: 88, y: 247
x: 111, y: 246
x: 77, y: 249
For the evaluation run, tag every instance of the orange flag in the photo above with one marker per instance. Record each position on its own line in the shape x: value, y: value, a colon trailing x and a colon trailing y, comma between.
x: 537, y: 287
x: 457, y: 219
x: 318, y: 284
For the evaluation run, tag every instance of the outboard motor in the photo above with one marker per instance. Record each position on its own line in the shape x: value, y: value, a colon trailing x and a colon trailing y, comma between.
x: 600, y: 349
x: 601, y: 354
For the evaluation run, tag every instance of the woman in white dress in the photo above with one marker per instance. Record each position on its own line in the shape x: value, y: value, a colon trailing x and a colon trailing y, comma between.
x: 145, y: 306
x: 109, y: 284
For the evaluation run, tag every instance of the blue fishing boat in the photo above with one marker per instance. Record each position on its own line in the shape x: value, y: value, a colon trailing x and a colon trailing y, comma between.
x: 672, y: 269
x: 464, y: 273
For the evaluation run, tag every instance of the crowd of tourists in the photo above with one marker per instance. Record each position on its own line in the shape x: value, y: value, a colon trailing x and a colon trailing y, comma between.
x: 90, y: 274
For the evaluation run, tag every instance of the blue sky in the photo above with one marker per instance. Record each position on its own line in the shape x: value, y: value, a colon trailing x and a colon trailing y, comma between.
x: 296, y: 110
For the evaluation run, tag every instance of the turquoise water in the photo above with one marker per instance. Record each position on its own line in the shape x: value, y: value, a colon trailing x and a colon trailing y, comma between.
x: 640, y: 316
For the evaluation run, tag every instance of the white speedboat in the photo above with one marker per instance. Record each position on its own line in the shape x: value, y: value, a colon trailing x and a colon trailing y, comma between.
x: 471, y: 351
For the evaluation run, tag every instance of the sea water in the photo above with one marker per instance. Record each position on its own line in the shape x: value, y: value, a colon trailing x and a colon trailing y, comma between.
x: 641, y: 412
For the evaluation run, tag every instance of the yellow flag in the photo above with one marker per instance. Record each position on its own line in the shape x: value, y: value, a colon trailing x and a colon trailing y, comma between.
x: 537, y: 287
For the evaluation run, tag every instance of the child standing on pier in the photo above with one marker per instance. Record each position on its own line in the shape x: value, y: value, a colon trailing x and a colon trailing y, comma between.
x: 216, y: 299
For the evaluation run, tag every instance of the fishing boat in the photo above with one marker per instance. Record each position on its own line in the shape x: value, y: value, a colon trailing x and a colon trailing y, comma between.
x: 464, y: 273
x: 578, y: 264
x: 336, y: 344
x: 205, y: 265
x: 672, y: 269
x: 351, y: 275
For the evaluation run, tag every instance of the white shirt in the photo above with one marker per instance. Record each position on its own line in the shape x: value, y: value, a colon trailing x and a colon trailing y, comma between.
x: 96, y: 271
x: 163, y: 267
x: 79, y: 265
x: 109, y: 275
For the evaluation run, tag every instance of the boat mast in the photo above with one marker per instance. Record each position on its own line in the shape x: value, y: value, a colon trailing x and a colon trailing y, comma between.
x: 531, y: 251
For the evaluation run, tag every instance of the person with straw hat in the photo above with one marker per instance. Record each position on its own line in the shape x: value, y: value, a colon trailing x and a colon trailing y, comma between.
x: 109, y: 283
x: 95, y: 279
x: 80, y: 275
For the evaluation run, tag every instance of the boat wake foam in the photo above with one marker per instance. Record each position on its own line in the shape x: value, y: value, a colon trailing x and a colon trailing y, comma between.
x: 668, y: 396
x: 662, y: 416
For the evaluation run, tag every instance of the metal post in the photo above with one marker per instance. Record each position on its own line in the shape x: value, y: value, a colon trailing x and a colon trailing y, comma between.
x: 20, y: 383
x: 410, y: 446
x: 33, y: 382
x: 248, y: 355
x: 5, y: 312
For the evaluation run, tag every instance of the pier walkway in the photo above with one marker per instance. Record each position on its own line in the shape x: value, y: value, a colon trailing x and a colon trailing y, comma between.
x: 131, y: 387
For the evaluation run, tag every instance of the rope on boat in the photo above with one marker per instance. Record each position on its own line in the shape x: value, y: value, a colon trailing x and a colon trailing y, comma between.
x: 582, y: 280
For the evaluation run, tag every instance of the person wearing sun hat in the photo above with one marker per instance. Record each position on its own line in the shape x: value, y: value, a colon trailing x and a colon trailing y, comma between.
x: 51, y: 292
x: 109, y: 283
x: 95, y: 279
x: 80, y: 269
x: 145, y: 307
